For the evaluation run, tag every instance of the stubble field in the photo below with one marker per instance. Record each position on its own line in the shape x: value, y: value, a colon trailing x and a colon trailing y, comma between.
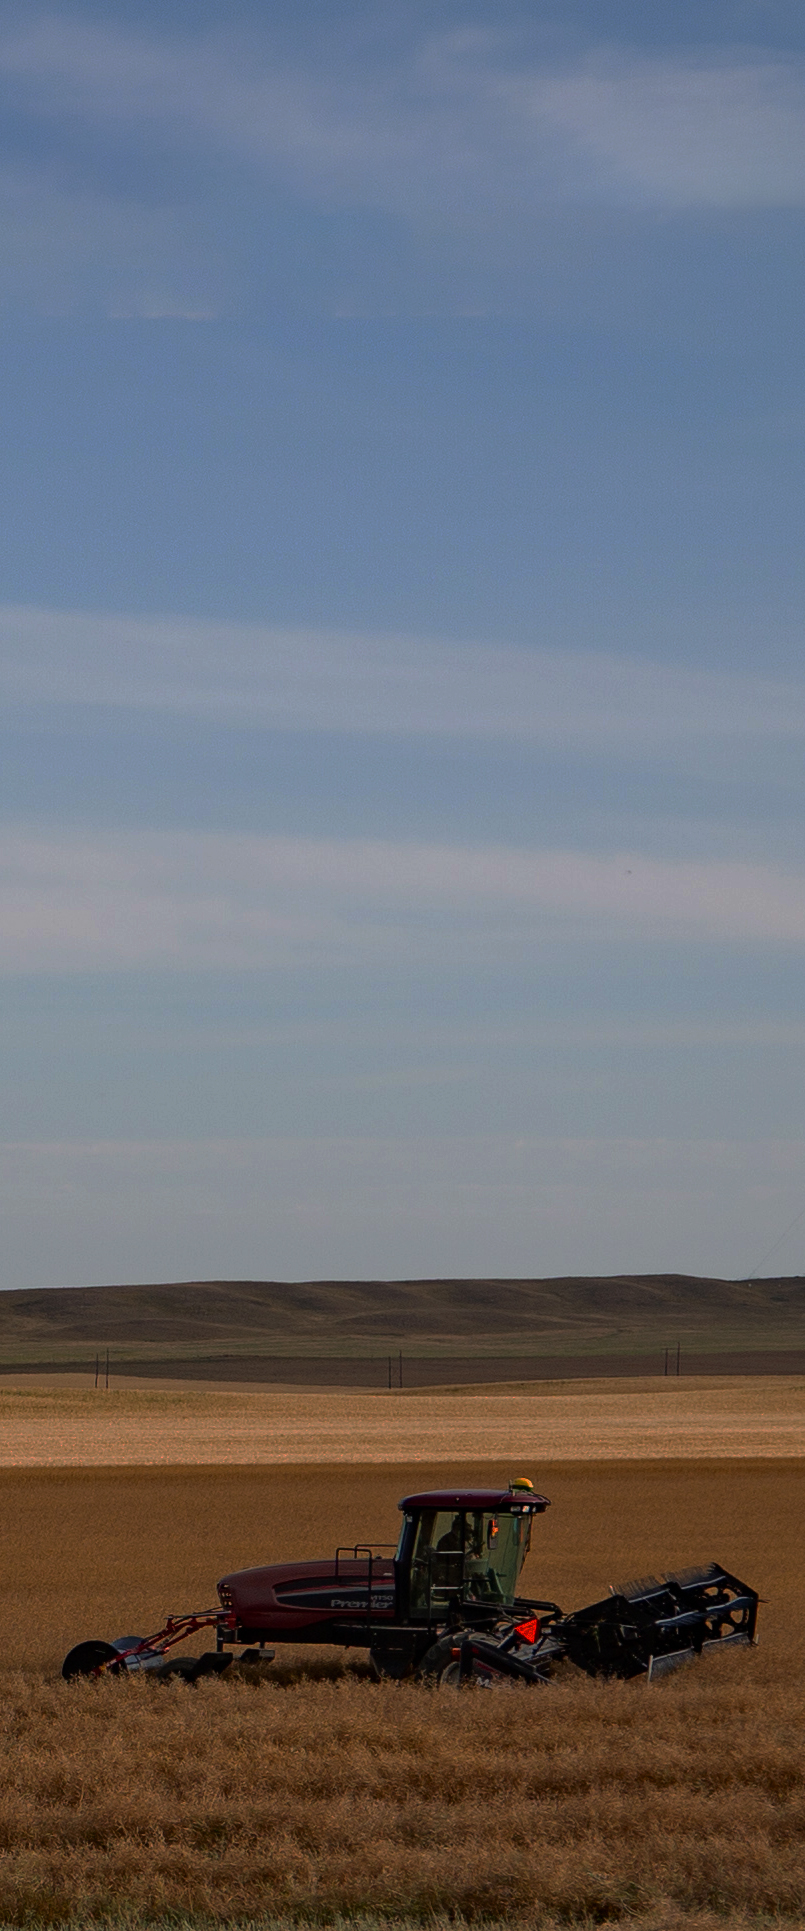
x: 557, y: 1420
x: 316, y: 1793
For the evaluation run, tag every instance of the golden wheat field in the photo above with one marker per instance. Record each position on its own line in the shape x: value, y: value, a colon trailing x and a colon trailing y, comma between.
x: 698, y: 1417
x: 315, y: 1794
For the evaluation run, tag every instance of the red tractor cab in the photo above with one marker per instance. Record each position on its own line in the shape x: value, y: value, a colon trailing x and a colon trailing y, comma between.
x: 458, y: 1563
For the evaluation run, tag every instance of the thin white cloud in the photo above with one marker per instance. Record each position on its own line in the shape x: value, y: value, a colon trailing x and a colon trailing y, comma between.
x: 307, y: 680
x: 682, y: 133
x: 453, y: 127
x: 188, y: 901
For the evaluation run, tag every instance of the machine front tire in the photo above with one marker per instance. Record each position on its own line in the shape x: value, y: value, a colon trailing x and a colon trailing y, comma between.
x: 436, y: 1659
x: 484, y: 1678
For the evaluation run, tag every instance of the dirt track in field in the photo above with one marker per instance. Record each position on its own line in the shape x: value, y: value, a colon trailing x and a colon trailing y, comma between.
x: 437, y: 1371
x: 559, y: 1422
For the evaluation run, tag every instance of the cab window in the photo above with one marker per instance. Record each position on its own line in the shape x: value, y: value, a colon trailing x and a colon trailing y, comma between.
x: 437, y: 1561
x: 494, y: 1552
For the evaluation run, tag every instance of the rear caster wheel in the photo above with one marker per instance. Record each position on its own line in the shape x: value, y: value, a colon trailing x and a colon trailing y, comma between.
x: 89, y: 1659
x: 190, y: 1668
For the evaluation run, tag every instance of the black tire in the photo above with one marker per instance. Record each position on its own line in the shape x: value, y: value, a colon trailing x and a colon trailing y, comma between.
x: 437, y: 1658
x: 480, y: 1674
x: 213, y: 1663
x: 88, y: 1659
x: 185, y: 1667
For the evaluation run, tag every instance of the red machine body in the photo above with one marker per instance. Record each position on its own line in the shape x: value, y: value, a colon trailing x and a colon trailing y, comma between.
x: 364, y: 1593
x: 445, y: 1604
x: 309, y: 1601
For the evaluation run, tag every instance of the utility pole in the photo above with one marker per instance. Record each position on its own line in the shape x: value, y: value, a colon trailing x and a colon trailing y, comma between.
x: 107, y: 1370
x: 97, y: 1368
x: 401, y: 1367
x: 678, y: 1354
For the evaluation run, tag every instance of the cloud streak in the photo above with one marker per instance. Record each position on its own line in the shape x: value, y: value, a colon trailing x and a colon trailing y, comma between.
x: 680, y: 133
x: 307, y: 680
x: 454, y: 125
x: 190, y: 901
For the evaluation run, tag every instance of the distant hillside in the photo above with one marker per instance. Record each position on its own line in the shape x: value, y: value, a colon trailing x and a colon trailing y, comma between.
x: 237, y: 1319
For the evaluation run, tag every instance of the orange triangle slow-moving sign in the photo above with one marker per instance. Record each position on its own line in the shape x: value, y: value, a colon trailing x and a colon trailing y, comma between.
x: 529, y: 1631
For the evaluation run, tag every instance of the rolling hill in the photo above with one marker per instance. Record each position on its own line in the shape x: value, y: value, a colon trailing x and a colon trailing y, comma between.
x: 239, y: 1320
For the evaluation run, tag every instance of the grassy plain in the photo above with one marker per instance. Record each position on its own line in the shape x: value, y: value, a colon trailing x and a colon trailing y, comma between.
x: 678, y: 1805
x: 245, y: 1320
x: 583, y: 1420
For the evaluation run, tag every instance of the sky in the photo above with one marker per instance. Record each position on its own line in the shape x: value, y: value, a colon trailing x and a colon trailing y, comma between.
x: 401, y: 594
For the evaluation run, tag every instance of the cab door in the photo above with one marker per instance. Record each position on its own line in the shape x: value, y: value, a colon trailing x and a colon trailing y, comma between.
x: 437, y: 1564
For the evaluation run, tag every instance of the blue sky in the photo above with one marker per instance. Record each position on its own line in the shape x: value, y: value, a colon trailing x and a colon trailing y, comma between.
x: 401, y: 592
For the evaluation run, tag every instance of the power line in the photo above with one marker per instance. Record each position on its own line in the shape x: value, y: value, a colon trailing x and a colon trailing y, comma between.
x: 778, y: 1243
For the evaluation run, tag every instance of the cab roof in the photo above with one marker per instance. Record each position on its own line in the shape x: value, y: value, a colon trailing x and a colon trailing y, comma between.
x: 494, y: 1500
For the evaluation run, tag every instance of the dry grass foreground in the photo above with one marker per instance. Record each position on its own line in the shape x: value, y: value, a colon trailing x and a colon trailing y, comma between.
x: 676, y: 1805
x: 581, y: 1420
x: 584, y: 1801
